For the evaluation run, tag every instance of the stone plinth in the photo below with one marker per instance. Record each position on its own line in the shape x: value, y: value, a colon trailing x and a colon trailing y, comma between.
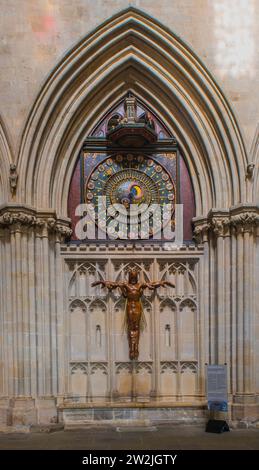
x: 24, y: 412
x: 47, y: 410
x: 131, y: 414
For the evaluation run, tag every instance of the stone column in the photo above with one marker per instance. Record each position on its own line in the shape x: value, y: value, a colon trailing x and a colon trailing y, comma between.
x: 2, y: 286
x: 30, y: 301
x: 232, y: 312
x: 5, y: 324
x: 156, y: 391
x: 256, y: 308
x: 245, y: 219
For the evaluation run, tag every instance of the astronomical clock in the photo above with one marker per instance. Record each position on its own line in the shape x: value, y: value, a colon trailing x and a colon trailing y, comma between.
x: 132, y: 160
x: 131, y: 183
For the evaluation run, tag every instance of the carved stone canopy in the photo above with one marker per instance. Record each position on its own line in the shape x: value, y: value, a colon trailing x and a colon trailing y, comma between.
x: 129, y: 131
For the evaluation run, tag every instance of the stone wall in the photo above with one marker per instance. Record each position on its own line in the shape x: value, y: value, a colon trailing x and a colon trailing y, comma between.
x: 51, y: 97
x: 37, y: 34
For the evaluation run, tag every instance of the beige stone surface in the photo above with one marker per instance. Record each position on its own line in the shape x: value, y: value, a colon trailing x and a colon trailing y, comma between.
x: 37, y: 34
x: 60, y: 342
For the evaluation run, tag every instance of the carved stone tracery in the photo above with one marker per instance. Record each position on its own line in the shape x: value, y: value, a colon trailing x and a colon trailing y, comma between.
x: 167, y: 311
x: 169, y: 366
x: 79, y: 366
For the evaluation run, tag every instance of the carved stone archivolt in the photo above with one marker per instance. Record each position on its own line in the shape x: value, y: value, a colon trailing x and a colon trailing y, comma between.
x: 240, y: 219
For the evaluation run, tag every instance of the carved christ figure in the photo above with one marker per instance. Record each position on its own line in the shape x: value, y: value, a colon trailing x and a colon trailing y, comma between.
x: 132, y: 291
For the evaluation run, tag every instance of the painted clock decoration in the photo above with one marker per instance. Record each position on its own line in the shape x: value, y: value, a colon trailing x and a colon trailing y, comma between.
x: 132, y: 181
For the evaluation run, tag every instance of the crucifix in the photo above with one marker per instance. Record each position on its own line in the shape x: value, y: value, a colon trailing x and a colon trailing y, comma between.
x: 133, y: 291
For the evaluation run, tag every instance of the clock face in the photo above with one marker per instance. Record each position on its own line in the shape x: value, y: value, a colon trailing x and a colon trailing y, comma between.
x: 131, y: 183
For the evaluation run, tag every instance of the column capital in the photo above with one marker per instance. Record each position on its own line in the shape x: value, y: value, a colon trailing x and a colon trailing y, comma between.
x: 216, y: 224
x: 244, y: 218
x: 44, y: 223
x: 201, y: 229
x: 224, y: 222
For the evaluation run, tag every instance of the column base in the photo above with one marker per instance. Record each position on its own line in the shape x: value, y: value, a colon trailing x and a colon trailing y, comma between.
x: 245, y: 398
x: 46, y: 410
x: 5, y: 412
x: 248, y: 413
x: 24, y: 412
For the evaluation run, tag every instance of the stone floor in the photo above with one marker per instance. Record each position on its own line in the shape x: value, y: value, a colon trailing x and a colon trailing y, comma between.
x: 153, y: 438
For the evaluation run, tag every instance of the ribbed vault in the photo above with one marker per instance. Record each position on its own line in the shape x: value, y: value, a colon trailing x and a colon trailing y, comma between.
x: 133, y: 52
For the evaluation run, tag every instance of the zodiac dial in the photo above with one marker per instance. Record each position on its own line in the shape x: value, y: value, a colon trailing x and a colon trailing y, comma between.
x: 131, y: 183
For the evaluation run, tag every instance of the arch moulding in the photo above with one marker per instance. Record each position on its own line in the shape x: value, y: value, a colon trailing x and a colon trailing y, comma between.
x: 5, y: 161
x: 131, y: 51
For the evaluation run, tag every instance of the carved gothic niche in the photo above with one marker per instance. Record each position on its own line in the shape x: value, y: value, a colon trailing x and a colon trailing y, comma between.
x: 188, y: 378
x: 144, y: 368
x: 169, y: 372
x: 188, y: 329
x: 189, y: 367
x: 120, y: 330
x: 98, y: 330
x: 99, y: 380
x: 97, y: 304
x: 83, y: 276
x: 99, y: 366
x: 146, y: 334
x: 124, y: 368
x: 77, y: 330
x: 167, y: 330
x: 169, y: 367
x: 76, y: 367
x: 77, y: 304
x: 169, y: 304
x: 124, y: 379
x: 144, y: 378
x: 190, y: 303
x: 78, y: 381
x: 182, y: 274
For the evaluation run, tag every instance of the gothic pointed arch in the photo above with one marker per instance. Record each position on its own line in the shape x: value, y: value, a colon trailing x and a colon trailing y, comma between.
x: 132, y: 51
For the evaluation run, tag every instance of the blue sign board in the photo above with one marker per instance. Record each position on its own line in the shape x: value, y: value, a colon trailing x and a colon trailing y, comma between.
x: 217, y: 387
